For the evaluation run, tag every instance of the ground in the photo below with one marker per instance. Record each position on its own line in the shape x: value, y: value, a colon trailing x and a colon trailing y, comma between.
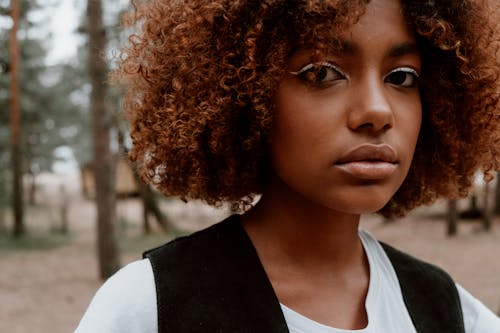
x: 46, y: 282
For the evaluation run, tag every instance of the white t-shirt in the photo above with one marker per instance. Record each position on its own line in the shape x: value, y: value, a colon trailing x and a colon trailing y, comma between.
x: 127, y: 303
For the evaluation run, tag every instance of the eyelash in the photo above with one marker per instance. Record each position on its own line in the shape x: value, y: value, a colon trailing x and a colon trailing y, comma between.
x: 309, y: 74
x: 405, y: 70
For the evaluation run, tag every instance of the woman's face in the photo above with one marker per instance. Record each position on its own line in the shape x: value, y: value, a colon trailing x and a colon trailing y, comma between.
x: 346, y: 126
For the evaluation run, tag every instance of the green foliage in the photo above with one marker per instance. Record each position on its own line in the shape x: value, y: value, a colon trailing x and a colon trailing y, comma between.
x: 54, y: 99
x: 32, y: 91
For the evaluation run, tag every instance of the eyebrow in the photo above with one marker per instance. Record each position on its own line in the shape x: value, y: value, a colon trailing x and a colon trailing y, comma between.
x: 398, y: 50
x: 406, y: 48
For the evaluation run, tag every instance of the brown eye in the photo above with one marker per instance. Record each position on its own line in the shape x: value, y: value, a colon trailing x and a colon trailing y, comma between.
x: 319, y: 73
x: 403, y: 77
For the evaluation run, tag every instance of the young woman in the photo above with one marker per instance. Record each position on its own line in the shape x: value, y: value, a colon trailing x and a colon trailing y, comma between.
x: 327, y: 110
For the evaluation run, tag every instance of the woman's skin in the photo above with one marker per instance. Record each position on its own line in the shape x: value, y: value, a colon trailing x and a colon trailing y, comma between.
x: 342, y: 143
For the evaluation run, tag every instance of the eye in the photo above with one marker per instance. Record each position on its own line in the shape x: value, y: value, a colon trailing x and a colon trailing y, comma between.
x: 319, y: 73
x: 403, y: 77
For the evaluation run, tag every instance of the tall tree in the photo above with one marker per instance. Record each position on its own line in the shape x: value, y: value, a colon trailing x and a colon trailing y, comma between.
x: 15, y: 121
x: 103, y: 162
x: 45, y: 118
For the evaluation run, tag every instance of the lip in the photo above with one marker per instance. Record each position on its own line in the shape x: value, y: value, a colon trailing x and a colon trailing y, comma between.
x: 369, y: 161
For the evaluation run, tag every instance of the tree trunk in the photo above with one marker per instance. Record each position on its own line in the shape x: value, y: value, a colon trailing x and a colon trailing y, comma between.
x: 452, y: 218
x: 104, y: 162
x: 15, y: 121
x: 150, y: 206
x: 486, y: 218
x: 3, y: 227
x: 64, y: 209
x: 148, y: 199
x: 497, y: 195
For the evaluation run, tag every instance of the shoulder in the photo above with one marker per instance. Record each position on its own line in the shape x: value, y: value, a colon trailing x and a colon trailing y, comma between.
x: 416, y: 277
x: 407, y: 266
x: 477, y: 317
x: 434, y: 281
x: 126, y: 302
x: 429, y: 293
x: 185, y: 253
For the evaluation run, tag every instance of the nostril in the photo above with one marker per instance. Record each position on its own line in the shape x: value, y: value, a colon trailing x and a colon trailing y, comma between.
x: 370, y: 119
x: 374, y: 127
x: 366, y: 125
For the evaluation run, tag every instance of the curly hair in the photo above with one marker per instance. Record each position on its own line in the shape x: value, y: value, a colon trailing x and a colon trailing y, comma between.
x: 200, y: 78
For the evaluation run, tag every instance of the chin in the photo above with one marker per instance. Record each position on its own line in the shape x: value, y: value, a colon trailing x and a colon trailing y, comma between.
x: 363, y: 210
x: 358, y: 207
x: 360, y: 201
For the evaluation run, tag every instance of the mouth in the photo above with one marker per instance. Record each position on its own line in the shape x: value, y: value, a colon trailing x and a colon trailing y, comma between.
x: 368, y: 161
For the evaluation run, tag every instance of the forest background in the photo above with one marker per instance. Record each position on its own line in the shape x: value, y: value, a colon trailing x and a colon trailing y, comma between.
x: 69, y: 220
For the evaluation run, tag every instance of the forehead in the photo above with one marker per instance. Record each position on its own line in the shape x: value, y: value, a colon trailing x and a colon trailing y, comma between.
x: 381, y: 18
x: 334, y: 27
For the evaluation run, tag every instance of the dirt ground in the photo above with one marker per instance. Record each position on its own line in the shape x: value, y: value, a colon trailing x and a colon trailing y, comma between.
x: 48, y: 290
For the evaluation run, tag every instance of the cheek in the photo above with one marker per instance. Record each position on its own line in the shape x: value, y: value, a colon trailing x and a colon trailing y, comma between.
x: 296, y: 134
x: 414, y: 123
x: 303, y: 117
x: 304, y: 132
x: 409, y: 124
x: 292, y: 123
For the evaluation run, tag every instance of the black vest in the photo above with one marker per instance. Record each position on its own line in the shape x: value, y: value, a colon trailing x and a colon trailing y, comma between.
x: 213, y: 282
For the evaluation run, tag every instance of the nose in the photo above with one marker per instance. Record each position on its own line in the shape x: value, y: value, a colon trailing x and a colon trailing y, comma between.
x: 370, y: 109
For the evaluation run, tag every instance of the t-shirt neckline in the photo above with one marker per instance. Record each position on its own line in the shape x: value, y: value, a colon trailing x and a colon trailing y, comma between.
x: 303, y: 323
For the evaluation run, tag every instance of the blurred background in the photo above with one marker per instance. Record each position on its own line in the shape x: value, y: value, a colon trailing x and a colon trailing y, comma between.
x: 69, y: 220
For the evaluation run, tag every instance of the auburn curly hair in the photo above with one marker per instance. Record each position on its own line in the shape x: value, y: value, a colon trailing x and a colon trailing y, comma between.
x: 200, y: 77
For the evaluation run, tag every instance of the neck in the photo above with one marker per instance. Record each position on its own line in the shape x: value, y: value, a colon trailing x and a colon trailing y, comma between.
x: 286, y: 224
